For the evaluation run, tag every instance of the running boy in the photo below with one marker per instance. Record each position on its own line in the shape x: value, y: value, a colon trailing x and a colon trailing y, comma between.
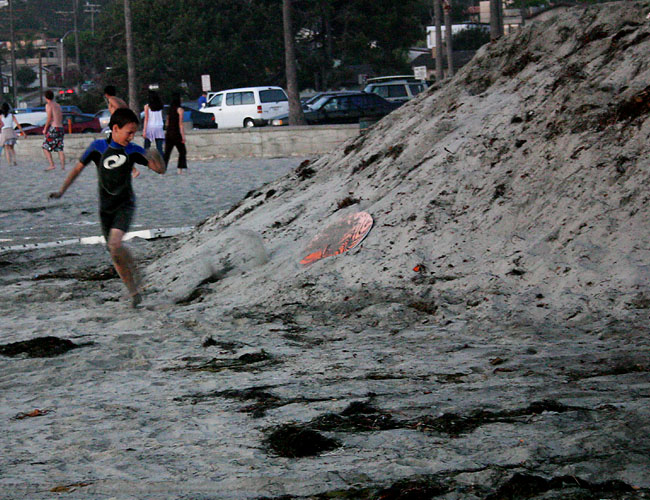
x: 114, y: 162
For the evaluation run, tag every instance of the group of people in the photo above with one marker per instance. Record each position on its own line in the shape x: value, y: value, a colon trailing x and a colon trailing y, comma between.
x: 165, y: 136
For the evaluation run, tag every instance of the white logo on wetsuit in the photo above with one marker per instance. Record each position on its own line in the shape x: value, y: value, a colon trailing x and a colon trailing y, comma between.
x: 114, y: 161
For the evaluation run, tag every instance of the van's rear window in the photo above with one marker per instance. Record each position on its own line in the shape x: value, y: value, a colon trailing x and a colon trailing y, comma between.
x: 273, y: 95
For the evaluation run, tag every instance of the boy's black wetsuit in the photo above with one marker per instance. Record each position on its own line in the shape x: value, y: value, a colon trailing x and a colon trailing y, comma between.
x: 116, y: 196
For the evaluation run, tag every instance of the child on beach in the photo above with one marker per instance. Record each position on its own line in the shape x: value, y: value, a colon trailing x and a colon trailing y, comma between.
x: 8, y: 135
x: 114, y: 161
x: 53, y: 131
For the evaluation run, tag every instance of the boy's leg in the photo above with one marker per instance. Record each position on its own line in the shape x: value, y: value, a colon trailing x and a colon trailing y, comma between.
x: 62, y: 159
x: 123, y: 262
x: 48, y: 157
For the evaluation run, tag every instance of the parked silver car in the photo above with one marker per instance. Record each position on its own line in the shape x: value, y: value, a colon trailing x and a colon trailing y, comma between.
x: 395, y: 88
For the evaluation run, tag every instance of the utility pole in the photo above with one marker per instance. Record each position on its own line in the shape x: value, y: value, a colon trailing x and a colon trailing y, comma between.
x: 13, y: 52
x: 446, y: 6
x: 92, y: 9
x: 75, y: 7
x: 437, y: 15
x: 130, y: 60
x: 40, y: 72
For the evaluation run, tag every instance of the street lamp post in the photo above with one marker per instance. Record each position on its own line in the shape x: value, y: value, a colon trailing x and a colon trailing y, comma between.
x: 63, y: 54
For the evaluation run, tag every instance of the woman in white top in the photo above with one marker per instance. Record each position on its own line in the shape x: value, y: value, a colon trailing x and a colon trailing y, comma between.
x: 8, y: 135
x: 153, y: 129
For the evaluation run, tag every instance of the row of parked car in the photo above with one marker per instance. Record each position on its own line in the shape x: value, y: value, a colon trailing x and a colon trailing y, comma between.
x: 256, y: 106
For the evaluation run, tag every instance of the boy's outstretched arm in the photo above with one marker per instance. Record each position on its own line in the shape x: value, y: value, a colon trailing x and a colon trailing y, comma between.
x: 68, y: 180
x: 155, y: 161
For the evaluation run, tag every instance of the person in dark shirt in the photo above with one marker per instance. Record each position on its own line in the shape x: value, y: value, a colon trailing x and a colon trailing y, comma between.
x: 114, y: 159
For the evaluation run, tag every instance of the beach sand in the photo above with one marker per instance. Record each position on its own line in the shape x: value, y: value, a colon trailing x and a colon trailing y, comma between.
x: 488, y: 339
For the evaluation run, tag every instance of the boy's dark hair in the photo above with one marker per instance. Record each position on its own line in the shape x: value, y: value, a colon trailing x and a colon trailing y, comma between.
x: 5, y: 108
x: 122, y: 117
x: 109, y: 90
x: 49, y: 95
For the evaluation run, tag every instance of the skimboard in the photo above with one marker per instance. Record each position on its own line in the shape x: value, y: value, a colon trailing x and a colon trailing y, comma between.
x: 339, y: 237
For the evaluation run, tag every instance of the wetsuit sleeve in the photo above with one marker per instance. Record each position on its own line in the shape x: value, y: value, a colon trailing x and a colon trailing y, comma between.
x: 93, y: 153
x: 137, y: 154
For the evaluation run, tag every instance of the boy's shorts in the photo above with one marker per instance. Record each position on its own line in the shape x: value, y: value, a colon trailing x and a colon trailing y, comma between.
x: 53, y: 140
x: 119, y: 219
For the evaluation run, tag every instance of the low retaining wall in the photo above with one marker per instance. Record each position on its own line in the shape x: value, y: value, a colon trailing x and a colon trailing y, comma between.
x: 263, y: 142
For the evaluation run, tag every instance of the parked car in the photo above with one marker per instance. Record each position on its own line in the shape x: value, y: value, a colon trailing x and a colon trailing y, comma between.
x: 307, y: 102
x: 77, y: 123
x: 395, y: 88
x: 30, y: 118
x: 36, y: 115
x: 198, y: 119
x: 345, y: 107
x: 104, y: 116
x: 65, y: 109
x: 246, y: 107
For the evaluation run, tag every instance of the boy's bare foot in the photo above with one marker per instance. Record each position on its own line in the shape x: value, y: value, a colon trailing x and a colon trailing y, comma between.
x: 136, y: 299
x: 50, y: 168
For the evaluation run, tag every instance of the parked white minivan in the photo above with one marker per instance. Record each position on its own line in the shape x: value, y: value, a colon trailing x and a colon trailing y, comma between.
x: 246, y: 107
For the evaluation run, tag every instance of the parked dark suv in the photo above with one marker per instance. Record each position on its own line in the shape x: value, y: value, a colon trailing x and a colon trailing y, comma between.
x: 343, y: 107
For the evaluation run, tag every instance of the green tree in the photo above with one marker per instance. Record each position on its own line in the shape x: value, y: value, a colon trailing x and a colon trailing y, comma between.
x: 25, y: 76
x: 240, y: 42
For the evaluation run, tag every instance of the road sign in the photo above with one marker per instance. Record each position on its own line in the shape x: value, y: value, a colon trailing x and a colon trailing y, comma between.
x: 205, y: 83
x: 420, y: 72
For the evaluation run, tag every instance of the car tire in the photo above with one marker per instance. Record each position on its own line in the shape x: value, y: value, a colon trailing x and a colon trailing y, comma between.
x: 249, y: 123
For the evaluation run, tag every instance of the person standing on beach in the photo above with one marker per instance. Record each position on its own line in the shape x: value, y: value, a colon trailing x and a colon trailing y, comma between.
x: 114, y: 162
x: 53, y: 131
x: 8, y: 135
x: 153, y: 128
x: 175, y: 134
x: 114, y: 103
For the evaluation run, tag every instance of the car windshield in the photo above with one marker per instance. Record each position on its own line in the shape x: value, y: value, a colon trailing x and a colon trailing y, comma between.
x: 318, y: 103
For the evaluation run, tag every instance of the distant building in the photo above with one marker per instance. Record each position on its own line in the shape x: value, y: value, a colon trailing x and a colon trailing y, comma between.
x: 455, y: 28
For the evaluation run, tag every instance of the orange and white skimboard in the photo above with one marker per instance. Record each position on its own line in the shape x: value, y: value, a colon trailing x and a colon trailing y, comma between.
x: 339, y: 237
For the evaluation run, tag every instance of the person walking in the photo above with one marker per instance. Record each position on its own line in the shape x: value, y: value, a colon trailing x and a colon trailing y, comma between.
x: 8, y: 134
x: 114, y: 159
x: 175, y: 134
x: 53, y: 131
x: 153, y: 129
